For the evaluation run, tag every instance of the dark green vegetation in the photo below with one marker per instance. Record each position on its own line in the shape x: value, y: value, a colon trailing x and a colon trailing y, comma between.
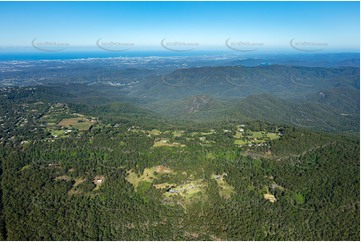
x: 272, y: 180
x: 180, y: 149
x: 324, y: 98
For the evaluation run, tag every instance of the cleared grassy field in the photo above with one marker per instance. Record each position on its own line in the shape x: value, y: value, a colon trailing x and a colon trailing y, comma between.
x: 73, y: 190
x: 269, y: 197
x: 187, y: 190
x: 256, y: 135
x: 165, y: 143
x: 273, y: 136
x: 57, y: 132
x: 165, y: 185
x: 240, y: 142
x: 148, y: 175
x: 155, y: 132
x: 178, y: 133
x: 225, y: 190
x: 238, y: 135
x: 79, y: 123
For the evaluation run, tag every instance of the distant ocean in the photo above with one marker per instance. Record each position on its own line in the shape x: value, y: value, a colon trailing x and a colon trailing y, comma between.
x: 28, y: 56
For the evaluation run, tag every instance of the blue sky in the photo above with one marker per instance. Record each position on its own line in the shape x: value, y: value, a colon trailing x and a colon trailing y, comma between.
x: 208, y: 24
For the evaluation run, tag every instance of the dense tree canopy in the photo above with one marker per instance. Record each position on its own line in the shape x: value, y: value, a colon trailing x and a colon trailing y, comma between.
x: 58, y: 184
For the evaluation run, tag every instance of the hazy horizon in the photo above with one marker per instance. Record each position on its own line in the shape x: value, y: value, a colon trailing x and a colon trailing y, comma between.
x: 180, y: 26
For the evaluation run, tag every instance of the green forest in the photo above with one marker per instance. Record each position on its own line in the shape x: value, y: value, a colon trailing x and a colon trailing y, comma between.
x: 119, y: 172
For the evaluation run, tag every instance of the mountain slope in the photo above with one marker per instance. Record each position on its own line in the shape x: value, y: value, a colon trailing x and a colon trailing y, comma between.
x: 307, y: 114
x: 239, y: 81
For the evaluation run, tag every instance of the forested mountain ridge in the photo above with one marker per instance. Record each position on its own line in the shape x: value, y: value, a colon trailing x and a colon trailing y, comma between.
x: 335, y: 113
x: 239, y: 81
x: 165, y: 80
x: 319, y: 98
